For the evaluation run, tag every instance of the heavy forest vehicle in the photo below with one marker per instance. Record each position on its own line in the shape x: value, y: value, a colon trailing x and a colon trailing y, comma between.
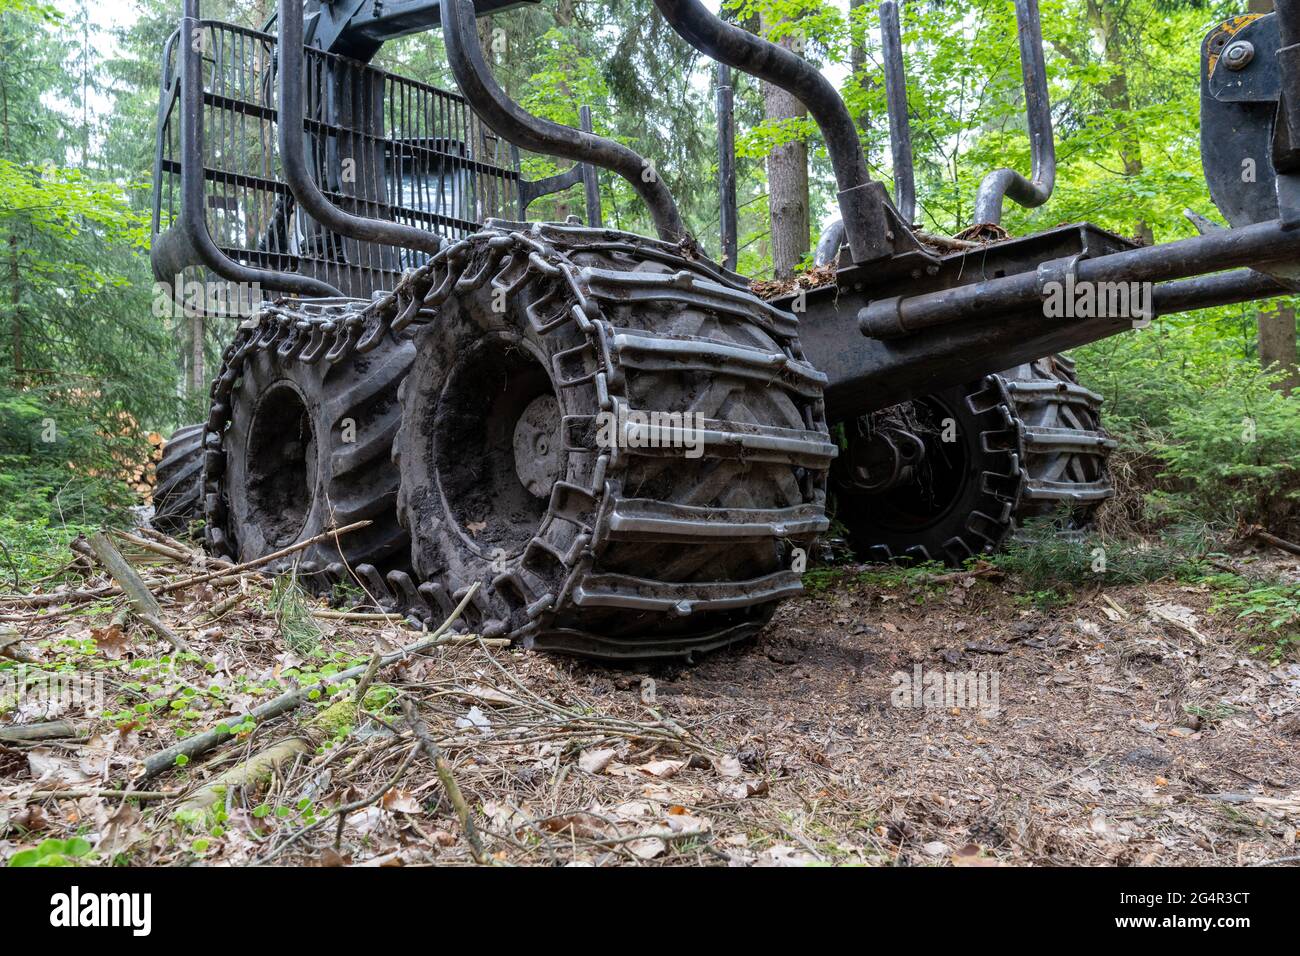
x: 429, y: 360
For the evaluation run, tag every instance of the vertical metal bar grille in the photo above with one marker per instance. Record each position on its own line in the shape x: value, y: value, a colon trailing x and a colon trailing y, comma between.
x: 379, y: 146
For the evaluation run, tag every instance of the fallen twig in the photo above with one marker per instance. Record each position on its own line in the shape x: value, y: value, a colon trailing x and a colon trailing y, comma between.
x: 222, y: 608
x: 252, y: 772
x: 1269, y: 538
x: 226, y: 573
x: 233, y: 570
x: 363, y: 685
x: 142, y: 601
x: 344, y: 810
x: 449, y: 784
x: 948, y: 243
x: 1114, y: 606
x: 61, y: 597
x: 115, y: 794
x: 157, y: 547
x: 983, y: 571
x: 1168, y: 618
x: 358, y: 616
x: 191, y: 747
x: 49, y: 730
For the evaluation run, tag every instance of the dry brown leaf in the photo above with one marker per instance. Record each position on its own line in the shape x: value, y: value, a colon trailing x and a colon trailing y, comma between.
x: 585, y: 826
x: 487, y: 695
x: 31, y: 818
x: 743, y: 789
x: 123, y: 831
x: 972, y: 855
x: 728, y: 766
x: 48, y: 767
x: 663, y: 769
x: 647, y: 848
x: 594, y: 761
x: 110, y: 641
x: 400, y: 801
x: 687, y: 824
x: 785, y: 856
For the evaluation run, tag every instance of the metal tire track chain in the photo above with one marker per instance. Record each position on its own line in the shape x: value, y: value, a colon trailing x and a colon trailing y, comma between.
x: 541, y: 261
x: 314, y: 330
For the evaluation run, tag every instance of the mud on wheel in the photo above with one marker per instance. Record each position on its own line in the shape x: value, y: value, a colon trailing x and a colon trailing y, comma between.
x: 306, y: 448
x: 1023, y: 444
x: 178, y: 481
x: 626, y: 548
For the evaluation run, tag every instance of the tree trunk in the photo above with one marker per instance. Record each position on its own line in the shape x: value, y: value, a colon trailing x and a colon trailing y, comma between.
x: 564, y: 14
x: 16, y: 319
x: 787, y: 181
x: 15, y: 289
x: 1277, y: 345
x: 1105, y: 22
x: 1276, y: 330
x: 857, y: 69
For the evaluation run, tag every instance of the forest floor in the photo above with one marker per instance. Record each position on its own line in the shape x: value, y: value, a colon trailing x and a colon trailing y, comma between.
x: 1132, y: 725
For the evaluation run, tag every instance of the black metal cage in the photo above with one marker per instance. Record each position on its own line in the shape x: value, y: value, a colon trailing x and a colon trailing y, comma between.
x: 377, y: 145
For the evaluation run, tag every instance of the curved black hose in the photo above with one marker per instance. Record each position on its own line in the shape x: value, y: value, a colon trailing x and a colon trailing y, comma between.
x: 510, y: 120
x: 294, y: 162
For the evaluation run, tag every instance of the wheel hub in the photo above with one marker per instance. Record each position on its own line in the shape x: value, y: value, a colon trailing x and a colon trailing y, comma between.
x: 537, y: 446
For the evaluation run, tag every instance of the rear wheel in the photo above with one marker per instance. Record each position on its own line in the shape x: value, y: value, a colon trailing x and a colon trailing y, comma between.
x: 618, y: 444
x: 178, y: 481
x: 1023, y: 444
x: 308, y: 449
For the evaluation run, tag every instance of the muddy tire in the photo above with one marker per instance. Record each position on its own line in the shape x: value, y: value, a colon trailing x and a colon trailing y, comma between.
x: 308, y: 448
x: 1064, y: 448
x: 581, y: 543
x: 178, y: 481
x: 1029, y: 445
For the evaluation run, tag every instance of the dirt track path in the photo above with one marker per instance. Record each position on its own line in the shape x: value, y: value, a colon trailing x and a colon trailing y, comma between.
x: 1119, y: 737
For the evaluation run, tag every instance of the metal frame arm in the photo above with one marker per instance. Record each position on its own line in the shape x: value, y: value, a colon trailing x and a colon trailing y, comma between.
x: 1254, y: 246
x: 188, y: 241
x: 508, y: 119
x: 862, y: 201
x: 294, y: 162
x: 1007, y: 182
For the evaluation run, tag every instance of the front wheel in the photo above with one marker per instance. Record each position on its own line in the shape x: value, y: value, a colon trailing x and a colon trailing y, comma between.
x: 620, y: 444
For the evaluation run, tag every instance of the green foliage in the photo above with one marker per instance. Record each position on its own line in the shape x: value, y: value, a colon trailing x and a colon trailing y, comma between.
x: 72, y: 852
x: 1189, y: 393
x: 85, y: 367
x: 1269, y: 611
x: 1050, y: 563
x: 288, y: 603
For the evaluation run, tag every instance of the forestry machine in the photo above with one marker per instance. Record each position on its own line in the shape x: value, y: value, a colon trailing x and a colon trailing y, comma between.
x: 625, y: 448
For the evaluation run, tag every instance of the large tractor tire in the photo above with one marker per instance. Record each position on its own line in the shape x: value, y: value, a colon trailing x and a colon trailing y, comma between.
x: 178, y: 481
x: 298, y: 448
x: 1027, y: 444
x: 619, y: 543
